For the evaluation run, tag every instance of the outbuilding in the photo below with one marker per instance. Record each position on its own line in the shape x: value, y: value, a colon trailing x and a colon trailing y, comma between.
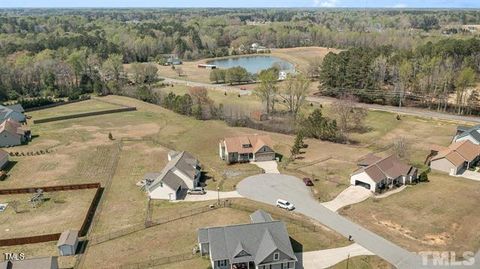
x: 68, y: 242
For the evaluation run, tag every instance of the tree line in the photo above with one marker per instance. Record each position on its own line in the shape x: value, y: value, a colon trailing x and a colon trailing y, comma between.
x: 431, y: 75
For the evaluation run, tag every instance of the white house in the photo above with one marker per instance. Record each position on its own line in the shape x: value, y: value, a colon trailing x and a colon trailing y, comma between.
x: 68, y: 242
x: 246, y: 148
x: 377, y: 173
x: 468, y: 133
x: 181, y: 173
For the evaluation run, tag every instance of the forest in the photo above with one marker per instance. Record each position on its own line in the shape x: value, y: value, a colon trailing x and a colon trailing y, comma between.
x: 69, y: 52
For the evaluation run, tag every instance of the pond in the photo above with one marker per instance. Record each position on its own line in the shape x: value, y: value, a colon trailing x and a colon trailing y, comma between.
x: 254, y: 64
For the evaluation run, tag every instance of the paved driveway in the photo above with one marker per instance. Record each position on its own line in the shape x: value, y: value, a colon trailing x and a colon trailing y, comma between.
x: 267, y: 188
x: 270, y: 167
x: 351, y: 195
x: 211, y: 195
x: 322, y: 259
x: 473, y: 175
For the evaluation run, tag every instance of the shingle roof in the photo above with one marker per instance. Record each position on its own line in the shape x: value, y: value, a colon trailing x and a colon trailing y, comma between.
x: 36, y: 263
x: 459, y: 152
x: 184, y: 162
x: 389, y: 167
x: 260, y: 216
x: 68, y: 237
x: 17, y: 107
x: 472, y: 131
x: 368, y: 159
x: 257, y: 239
x: 11, y: 127
x: 255, y: 142
x: 5, y: 113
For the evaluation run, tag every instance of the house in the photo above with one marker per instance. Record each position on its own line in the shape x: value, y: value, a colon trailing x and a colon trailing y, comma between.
x: 4, y: 157
x: 37, y: 263
x: 182, y: 173
x: 468, y: 133
x: 68, y: 242
x: 376, y: 173
x: 12, y: 134
x: 8, y: 113
x: 455, y: 158
x: 17, y: 108
x: 262, y: 244
x: 247, y: 148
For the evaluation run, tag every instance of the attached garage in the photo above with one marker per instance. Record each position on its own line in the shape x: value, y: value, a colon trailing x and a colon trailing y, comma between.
x: 267, y: 156
x: 362, y: 184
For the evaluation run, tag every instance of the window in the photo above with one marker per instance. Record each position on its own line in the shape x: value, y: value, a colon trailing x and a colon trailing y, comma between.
x: 291, y: 265
x: 222, y: 263
x: 276, y: 256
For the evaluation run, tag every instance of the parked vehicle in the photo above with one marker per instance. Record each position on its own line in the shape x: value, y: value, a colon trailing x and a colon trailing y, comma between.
x: 285, y: 205
x: 196, y: 191
x: 307, y: 181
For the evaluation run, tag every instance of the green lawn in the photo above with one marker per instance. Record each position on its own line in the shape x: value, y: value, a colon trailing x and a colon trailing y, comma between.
x: 74, y: 108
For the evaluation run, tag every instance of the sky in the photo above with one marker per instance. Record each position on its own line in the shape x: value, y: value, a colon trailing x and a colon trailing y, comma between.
x: 245, y: 3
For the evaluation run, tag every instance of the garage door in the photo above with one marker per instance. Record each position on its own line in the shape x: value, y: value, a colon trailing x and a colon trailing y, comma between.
x: 259, y: 157
x: 362, y: 184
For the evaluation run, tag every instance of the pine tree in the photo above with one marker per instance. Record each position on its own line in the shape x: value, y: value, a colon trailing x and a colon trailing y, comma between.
x: 297, y: 145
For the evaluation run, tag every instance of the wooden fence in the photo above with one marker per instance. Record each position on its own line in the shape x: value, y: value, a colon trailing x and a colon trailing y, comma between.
x: 85, y: 114
x: 51, y: 188
x: 55, y: 236
x: 29, y: 239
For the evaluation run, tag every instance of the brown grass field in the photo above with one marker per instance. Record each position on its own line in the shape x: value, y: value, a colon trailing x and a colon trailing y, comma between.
x: 64, y: 210
x: 83, y: 153
x: 442, y: 215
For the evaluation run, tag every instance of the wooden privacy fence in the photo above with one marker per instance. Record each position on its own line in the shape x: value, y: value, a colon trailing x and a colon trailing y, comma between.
x: 29, y: 239
x: 55, y: 236
x: 51, y: 188
x: 85, y: 114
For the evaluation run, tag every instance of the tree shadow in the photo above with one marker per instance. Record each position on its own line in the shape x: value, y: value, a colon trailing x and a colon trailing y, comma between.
x: 204, y: 177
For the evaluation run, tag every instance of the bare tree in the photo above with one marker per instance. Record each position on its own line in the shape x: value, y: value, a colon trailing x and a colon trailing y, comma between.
x: 349, y: 114
x: 400, y: 147
x: 295, y: 92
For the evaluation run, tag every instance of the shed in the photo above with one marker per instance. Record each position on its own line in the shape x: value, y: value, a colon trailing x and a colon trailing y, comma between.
x: 67, y: 243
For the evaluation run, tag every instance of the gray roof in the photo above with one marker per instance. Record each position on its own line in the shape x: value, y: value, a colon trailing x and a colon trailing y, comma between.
x: 260, y: 216
x: 247, y: 242
x: 5, y: 113
x: 472, y: 131
x: 182, y: 161
x: 37, y: 263
x: 68, y: 237
x: 17, y: 108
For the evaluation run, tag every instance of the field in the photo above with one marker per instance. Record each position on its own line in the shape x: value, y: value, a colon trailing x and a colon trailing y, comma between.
x: 74, y: 108
x: 82, y: 152
x: 63, y: 210
x: 442, y: 215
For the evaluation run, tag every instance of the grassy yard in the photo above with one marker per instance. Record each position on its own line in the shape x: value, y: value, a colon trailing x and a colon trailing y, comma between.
x: 74, y: 108
x: 63, y: 210
x: 40, y: 250
x: 363, y: 262
x: 442, y: 215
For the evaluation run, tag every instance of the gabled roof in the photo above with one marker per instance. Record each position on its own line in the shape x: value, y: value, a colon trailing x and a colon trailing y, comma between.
x: 368, y: 159
x: 17, y: 108
x: 182, y: 161
x: 68, y: 237
x: 254, y: 241
x: 389, y: 167
x: 472, y: 131
x: 260, y: 216
x: 255, y: 142
x: 12, y: 127
x: 36, y: 263
x: 459, y: 152
x: 5, y: 113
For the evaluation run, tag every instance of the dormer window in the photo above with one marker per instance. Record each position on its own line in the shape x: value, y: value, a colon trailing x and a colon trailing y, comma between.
x: 247, y: 146
x: 276, y: 256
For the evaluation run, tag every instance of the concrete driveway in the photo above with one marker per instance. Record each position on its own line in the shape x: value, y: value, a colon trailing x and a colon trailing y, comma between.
x: 327, y: 258
x: 270, y: 167
x: 267, y: 188
x: 473, y: 175
x: 211, y: 195
x: 351, y: 195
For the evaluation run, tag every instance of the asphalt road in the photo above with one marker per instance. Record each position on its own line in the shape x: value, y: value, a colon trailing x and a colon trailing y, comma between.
x: 325, y: 100
x: 267, y: 188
